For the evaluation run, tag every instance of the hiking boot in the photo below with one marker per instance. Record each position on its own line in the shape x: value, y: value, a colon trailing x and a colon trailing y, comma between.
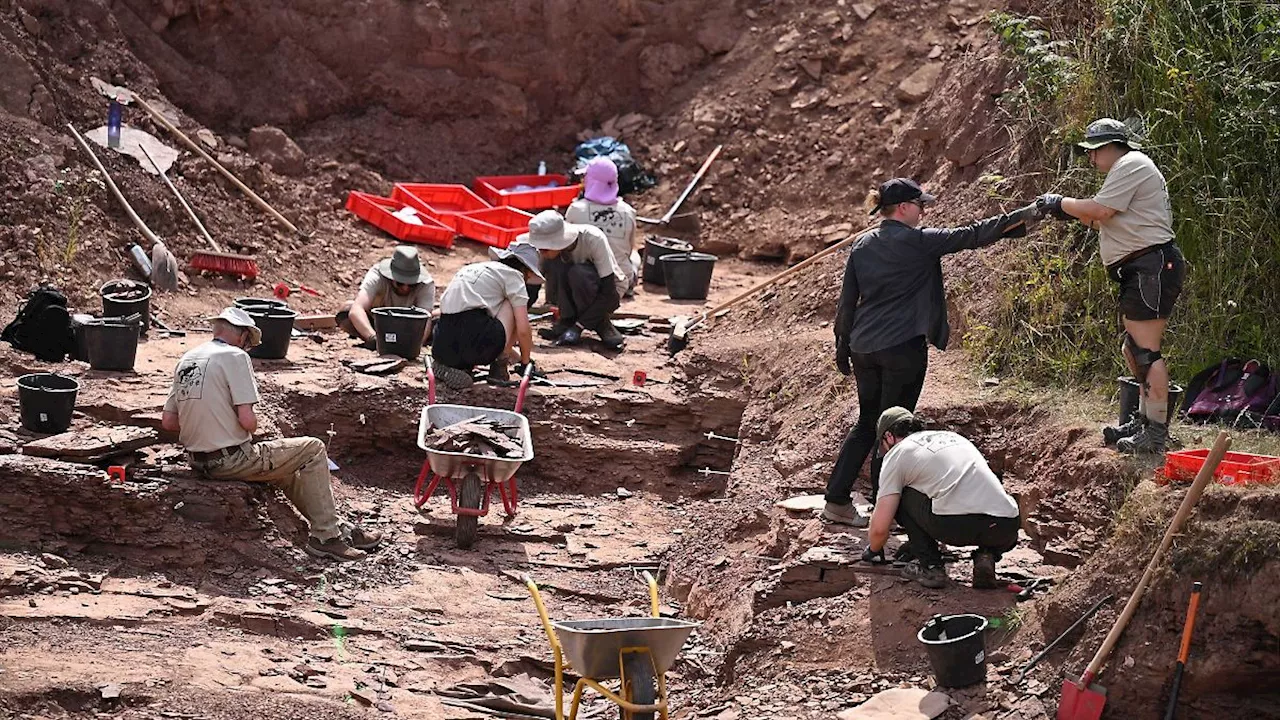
x: 984, y: 571
x: 1150, y: 440
x: 930, y: 576
x: 362, y: 539
x: 555, y: 331
x: 452, y: 377
x: 572, y: 336
x: 498, y: 373
x: 333, y: 549
x: 844, y: 514
x: 610, y: 336
x: 1113, y: 433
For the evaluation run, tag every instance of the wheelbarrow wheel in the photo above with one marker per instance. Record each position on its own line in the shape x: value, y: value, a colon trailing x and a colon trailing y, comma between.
x: 469, y: 496
x: 639, y: 685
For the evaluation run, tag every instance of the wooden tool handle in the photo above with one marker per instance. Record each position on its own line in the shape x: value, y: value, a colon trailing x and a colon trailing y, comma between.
x: 697, y: 178
x: 164, y: 122
x: 111, y: 185
x: 1220, y: 447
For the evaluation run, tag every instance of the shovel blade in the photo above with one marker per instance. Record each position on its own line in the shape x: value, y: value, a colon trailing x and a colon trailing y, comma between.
x: 1079, y: 702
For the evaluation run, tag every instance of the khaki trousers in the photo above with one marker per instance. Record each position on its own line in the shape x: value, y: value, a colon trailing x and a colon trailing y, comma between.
x: 298, y: 466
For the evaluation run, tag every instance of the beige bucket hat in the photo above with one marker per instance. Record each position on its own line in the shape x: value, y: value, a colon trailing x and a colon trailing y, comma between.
x: 240, y: 319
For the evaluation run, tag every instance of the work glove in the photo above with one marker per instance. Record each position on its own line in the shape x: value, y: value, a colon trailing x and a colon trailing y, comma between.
x: 875, y: 557
x: 1051, y: 204
x: 842, y: 360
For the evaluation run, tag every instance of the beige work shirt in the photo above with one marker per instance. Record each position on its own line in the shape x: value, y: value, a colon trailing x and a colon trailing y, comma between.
x: 383, y: 293
x: 593, y: 247
x: 209, y: 382
x: 617, y: 222
x: 950, y: 470
x: 484, y: 285
x: 1136, y: 190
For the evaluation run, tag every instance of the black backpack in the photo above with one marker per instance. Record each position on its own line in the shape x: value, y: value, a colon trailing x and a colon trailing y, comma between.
x: 43, y: 326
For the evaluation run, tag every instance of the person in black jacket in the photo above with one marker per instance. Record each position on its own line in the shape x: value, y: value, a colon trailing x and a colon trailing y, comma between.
x: 892, y: 306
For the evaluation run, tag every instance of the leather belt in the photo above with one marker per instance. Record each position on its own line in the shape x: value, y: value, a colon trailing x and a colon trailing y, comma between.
x: 216, y: 454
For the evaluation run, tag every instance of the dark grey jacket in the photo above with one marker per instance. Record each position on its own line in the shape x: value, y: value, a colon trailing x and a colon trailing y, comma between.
x: 893, y: 282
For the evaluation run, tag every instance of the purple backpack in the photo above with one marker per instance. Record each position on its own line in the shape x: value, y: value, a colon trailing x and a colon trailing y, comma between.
x: 1232, y: 389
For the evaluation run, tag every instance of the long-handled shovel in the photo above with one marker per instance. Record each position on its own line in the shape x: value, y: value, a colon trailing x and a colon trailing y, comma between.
x: 1183, y: 651
x: 1084, y: 700
x: 665, y: 220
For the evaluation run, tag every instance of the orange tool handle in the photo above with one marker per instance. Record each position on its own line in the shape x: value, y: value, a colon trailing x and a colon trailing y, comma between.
x: 1190, y: 625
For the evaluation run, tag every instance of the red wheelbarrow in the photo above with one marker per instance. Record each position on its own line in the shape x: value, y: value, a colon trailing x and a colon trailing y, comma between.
x: 471, y: 479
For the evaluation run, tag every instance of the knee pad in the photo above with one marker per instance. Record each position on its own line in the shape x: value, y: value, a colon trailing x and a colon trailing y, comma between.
x: 1143, y: 358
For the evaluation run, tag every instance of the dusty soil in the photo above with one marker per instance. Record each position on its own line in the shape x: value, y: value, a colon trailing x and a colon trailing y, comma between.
x: 182, y: 598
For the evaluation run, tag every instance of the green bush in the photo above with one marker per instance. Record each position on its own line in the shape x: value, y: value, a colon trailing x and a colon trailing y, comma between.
x: 1200, y: 81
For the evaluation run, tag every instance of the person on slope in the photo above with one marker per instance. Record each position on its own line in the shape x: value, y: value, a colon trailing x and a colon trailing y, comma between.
x: 939, y: 488
x: 892, y: 307
x: 1134, y: 220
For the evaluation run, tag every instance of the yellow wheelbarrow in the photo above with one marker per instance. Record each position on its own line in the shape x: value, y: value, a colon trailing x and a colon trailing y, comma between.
x: 637, y: 651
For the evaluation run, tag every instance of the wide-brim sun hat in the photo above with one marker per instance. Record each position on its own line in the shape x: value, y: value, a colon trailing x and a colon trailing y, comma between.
x: 239, y: 318
x: 526, y: 253
x: 404, y: 267
x: 549, y: 231
x: 1105, y: 131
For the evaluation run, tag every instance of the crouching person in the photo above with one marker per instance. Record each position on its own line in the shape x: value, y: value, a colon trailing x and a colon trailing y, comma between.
x: 210, y: 406
x: 484, y: 313
x: 938, y: 487
x: 583, y: 278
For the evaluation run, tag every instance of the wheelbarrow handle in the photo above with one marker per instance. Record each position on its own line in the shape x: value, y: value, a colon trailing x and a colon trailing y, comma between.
x: 431, y: 379
x: 653, y: 592
x: 524, y: 386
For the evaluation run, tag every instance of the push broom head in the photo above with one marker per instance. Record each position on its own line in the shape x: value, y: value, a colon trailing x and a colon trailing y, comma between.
x: 224, y: 264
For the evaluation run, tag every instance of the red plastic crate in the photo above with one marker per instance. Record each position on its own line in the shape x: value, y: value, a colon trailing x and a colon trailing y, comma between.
x: 497, y: 226
x: 497, y: 189
x: 378, y: 211
x: 441, y: 201
x: 1235, y: 468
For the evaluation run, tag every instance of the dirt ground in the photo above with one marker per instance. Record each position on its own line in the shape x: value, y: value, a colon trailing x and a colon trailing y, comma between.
x: 172, y: 597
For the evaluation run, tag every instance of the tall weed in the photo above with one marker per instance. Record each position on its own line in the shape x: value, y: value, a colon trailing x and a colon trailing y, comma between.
x: 1200, y: 81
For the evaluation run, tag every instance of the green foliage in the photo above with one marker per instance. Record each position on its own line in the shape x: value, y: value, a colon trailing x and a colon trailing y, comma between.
x: 1200, y: 81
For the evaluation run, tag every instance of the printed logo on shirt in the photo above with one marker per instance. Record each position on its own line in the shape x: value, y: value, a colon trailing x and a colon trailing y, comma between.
x: 938, y: 441
x: 190, y: 380
x: 610, y: 221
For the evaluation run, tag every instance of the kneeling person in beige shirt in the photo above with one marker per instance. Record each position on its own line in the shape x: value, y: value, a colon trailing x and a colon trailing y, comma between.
x: 210, y: 406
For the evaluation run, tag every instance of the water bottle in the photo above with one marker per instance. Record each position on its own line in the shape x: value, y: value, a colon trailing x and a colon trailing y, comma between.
x: 140, y: 259
x: 542, y: 167
x: 114, y: 113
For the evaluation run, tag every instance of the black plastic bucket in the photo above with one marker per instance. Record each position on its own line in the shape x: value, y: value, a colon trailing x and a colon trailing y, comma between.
x: 276, y: 324
x: 655, y: 248
x: 248, y: 303
x: 126, y: 297
x: 399, y: 331
x: 1130, y: 391
x: 957, y: 649
x: 110, y: 345
x: 688, y: 275
x: 46, y: 401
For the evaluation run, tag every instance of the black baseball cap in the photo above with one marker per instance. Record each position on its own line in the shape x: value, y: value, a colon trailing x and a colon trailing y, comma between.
x: 900, y: 190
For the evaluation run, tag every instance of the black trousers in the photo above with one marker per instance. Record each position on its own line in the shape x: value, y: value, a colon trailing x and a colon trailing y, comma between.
x: 886, y: 378
x: 581, y: 294
x: 991, y: 534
